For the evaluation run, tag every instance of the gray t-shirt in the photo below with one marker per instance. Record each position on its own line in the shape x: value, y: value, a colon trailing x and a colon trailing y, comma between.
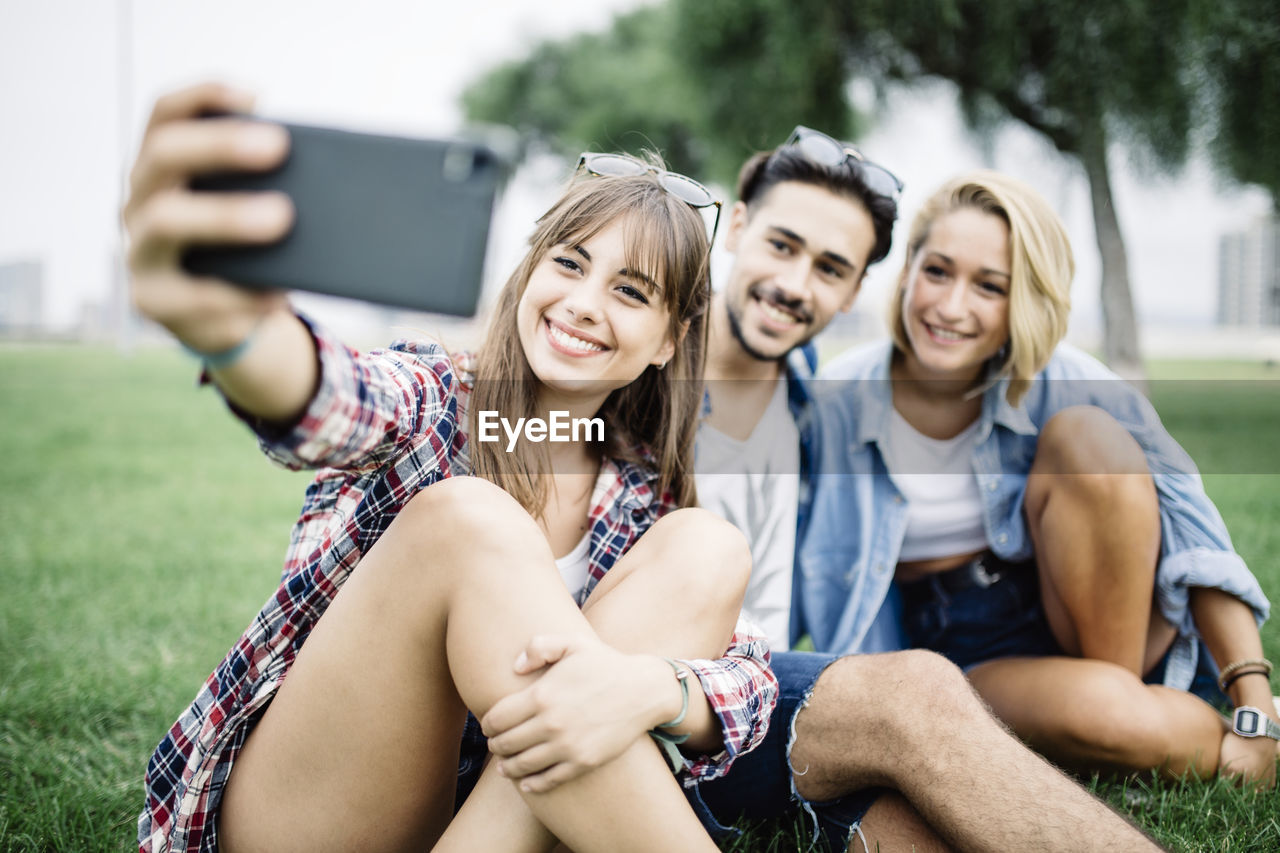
x: 755, y: 485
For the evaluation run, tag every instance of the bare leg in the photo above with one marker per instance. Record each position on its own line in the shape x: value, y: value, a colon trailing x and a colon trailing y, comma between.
x: 1094, y: 715
x: 683, y: 580
x: 638, y: 784
x: 911, y: 722
x: 1094, y: 518
x: 892, y: 824
x: 676, y: 593
x: 358, y: 750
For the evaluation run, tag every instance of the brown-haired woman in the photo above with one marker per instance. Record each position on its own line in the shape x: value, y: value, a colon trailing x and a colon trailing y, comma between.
x: 412, y: 593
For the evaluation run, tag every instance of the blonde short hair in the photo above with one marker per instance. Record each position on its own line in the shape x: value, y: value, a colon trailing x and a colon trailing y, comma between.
x: 1041, y: 269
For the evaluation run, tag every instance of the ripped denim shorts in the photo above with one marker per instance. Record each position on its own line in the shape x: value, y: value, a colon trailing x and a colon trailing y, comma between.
x: 759, y: 785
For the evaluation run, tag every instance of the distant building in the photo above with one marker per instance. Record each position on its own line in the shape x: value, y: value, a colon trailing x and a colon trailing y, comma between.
x: 21, y: 305
x: 1249, y: 276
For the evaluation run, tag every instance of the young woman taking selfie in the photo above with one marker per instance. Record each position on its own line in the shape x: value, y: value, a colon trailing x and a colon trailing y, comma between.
x: 550, y: 591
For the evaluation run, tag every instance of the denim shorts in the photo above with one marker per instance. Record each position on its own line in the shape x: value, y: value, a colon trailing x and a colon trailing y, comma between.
x: 758, y: 785
x: 471, y: 758
x: 976, y: 624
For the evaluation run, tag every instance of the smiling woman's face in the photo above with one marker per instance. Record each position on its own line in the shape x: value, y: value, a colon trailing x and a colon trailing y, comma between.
x: 588, y: 324
x: 956, y: 302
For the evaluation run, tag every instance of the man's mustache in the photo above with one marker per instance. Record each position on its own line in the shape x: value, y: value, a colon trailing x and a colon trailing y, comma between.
x: 776, y: 297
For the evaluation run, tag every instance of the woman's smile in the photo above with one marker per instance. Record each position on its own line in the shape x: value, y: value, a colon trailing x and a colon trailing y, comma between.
x: 571, y: 342
x: 943, y: 335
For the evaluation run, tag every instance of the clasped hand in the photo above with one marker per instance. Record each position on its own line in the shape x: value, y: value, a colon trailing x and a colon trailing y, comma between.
x: 1248, y: 760
x: 591, y: 703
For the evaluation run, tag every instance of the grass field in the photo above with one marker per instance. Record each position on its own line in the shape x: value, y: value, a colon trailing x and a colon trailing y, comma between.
x: 139, y: 532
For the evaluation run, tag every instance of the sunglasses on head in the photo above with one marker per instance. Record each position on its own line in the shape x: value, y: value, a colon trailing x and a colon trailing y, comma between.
x: 682, y: 187
x: 826, y: 151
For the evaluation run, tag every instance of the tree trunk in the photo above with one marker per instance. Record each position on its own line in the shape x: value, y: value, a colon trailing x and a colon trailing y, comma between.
x: 1120, y: 347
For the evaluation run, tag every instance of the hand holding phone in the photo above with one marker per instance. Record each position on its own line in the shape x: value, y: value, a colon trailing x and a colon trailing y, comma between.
x: 393, y: 220
x: 162, y: 217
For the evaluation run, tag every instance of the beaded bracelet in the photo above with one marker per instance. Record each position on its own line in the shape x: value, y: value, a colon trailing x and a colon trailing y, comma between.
x: 1225, y: 678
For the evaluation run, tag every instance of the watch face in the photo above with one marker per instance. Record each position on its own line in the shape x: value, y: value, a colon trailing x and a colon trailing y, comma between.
x: 1247, y: 722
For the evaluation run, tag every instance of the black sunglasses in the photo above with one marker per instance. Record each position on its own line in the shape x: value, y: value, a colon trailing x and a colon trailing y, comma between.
x: 826, y: 151
x: 682, y: 187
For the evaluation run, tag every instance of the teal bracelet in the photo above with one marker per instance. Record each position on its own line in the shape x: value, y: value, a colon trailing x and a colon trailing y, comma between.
x: 226, y: 357
x: 669, y: 743
x: 682, y: 676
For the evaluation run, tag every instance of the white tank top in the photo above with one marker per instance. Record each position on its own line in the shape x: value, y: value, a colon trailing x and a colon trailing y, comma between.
x: 576, y: 565
x: 944, y: 506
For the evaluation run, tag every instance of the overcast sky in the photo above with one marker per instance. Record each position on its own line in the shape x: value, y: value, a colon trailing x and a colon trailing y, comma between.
x: 77, y: 78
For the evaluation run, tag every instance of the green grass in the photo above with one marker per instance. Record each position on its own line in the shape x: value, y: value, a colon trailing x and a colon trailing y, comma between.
x: 139, y: 532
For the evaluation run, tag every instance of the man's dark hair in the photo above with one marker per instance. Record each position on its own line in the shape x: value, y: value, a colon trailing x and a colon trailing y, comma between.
x: 768, y: 168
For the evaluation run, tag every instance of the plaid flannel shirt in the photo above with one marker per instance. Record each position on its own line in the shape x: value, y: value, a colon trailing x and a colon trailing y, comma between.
x: 385, y: 425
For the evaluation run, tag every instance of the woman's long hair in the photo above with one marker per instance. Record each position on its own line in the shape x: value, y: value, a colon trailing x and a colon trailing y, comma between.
x: 1041, y: 270
x: 653, y: 420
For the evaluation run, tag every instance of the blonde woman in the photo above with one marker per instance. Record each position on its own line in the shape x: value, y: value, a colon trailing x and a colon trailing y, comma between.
x: 413, y: 593
x: 1024, y: 513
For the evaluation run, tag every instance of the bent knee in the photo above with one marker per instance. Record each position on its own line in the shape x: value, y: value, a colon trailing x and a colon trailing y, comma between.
x: 922, y: 684
x: 467, y: 525
x: 1087, y: 440
x: 462, y: 508
x: 706, y: 555
x: 931, y: 686
x: 868, y: 718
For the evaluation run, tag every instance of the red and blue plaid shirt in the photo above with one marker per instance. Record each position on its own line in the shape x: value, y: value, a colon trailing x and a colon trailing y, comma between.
x: 384, y: 426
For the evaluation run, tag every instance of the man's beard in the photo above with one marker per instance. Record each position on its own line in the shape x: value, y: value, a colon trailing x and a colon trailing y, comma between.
x: 735, y: 327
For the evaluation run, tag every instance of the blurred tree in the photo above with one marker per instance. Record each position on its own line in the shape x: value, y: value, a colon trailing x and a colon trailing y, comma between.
x: 709, y: 81
x: 1242, y: 62
x: 1081, y: 72
x: 636, y: 85
x: 760, y: 68
x: 622, y: 89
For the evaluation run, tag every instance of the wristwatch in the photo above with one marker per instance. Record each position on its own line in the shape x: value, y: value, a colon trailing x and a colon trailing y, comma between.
x: 1252, y: 722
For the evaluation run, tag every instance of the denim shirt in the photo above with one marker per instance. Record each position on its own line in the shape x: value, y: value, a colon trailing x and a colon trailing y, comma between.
x: 800, y: 366
x: 858, y: 517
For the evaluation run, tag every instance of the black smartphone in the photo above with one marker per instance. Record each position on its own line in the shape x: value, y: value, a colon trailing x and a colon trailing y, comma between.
x: 394, y: 220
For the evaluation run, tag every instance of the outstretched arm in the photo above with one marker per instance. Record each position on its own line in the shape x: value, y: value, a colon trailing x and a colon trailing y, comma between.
x: 314, y: 402
x: 274, y: 372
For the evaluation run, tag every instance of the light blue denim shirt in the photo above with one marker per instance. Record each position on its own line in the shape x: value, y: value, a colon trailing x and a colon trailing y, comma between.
x: 858, y: 516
